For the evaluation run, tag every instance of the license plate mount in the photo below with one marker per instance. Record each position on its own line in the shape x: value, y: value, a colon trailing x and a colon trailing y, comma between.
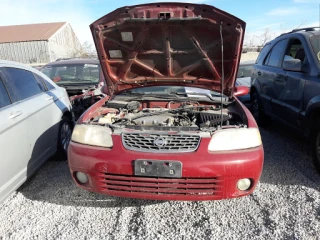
x: 158, y: 168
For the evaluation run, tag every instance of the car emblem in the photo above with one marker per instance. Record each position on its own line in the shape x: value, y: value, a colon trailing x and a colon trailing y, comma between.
x: 160, y: 142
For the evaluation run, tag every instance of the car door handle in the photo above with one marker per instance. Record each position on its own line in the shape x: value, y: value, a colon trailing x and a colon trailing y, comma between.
x: 279, y: 78
x: 259, y: 73
x: 49, y: 98
x: 15, y: 114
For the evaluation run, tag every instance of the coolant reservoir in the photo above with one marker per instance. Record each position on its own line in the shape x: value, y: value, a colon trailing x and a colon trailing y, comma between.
x: 107, y: 119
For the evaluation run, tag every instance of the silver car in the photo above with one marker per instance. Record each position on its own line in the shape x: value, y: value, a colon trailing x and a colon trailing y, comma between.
x: 35, y: 123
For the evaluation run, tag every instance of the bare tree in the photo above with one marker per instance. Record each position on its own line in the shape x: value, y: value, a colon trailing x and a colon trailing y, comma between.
x: 86, y: 50
x: 265, y: 37
x: 249, y: 43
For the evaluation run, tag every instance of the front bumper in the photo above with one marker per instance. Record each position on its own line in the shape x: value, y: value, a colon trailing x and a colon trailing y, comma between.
x: 205, y: 176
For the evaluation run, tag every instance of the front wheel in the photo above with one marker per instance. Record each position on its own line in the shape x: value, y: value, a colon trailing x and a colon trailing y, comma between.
x: 257, y: 111
x: 65, y: 132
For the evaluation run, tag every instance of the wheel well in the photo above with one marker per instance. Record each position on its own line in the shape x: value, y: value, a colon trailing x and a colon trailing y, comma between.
x: 314, y: 116
x: 67, y: 115
x: 252, y: 90
x: 311, y: 119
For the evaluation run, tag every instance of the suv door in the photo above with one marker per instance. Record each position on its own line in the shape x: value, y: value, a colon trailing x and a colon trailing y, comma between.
x: 14, y: 143
x: 31, y: 98
x: 270, y: 74
x: 289, y: 95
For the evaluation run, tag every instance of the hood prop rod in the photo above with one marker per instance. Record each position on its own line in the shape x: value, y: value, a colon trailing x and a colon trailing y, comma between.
x: 222, y: 72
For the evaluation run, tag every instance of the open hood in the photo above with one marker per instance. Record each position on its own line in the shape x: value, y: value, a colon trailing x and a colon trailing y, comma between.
x: 169, y: 44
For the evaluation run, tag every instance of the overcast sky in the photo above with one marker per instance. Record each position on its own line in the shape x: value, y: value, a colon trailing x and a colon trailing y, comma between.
x: 278, y: 16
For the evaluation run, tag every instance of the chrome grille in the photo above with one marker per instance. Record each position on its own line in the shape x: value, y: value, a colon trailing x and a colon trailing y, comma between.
x: 145, y: 142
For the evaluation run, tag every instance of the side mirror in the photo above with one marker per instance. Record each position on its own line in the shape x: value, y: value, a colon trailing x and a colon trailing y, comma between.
x: 240, y: 75
x: 241, y: 91
x: 292, y: 65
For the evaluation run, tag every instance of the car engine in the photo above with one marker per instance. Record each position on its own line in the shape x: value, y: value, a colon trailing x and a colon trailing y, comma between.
x: 185, y: 115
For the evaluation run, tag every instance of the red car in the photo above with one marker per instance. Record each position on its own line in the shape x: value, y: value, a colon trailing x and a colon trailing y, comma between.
x: 171, y: 127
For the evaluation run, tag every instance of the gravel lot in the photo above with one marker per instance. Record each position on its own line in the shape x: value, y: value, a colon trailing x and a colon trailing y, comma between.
x: 286, y: 205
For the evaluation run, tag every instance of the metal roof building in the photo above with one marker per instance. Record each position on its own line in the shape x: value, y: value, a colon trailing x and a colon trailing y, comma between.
x: 38, y: 43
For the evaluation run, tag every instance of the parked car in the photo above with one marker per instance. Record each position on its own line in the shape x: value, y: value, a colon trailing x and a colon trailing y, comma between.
x: 286, y: 84
x: 82, y: 78
x: 244, y: 79
x: 37, y: 66
x: 36, y: 122
x: 168, y: 129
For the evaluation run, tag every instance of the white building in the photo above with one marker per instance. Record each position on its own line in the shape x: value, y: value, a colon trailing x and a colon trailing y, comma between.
x: 38, y: 43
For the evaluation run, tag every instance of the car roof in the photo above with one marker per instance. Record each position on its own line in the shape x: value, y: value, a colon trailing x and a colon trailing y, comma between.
x: 305, y: 32
x: 308, y: 33
x: 6, y: 63
x: 73, y: 61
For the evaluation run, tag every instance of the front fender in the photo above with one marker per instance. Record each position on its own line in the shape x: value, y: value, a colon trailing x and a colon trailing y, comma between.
x: 255, y: 85
x: 313, y: 105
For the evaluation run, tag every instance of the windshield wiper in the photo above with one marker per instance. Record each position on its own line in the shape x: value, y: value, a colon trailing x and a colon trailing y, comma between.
x: 83, y: 80
x: 149, y: 95
x: 212, y: 97
x: 132, y: 93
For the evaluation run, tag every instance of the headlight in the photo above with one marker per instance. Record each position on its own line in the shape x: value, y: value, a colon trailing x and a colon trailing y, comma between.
x: 235, y: 139
x: 92, y: 135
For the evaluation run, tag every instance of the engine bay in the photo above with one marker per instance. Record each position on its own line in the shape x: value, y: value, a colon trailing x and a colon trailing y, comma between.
x: 82, y: 99
x: 167, y: 116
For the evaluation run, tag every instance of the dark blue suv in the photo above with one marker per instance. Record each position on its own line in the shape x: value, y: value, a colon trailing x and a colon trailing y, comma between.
x: 286, y: 84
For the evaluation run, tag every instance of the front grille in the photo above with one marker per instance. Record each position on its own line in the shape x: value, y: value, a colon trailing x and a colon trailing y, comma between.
x: 164, y: 186
x: 160, y: 142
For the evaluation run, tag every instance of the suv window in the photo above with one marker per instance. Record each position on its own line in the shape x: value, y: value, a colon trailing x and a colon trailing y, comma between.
x: 264, y: 50
x: 295, y: 50
x: 275, y: 54
x: 315, y: 41
x: 4, y: 97
x: 21, y: 83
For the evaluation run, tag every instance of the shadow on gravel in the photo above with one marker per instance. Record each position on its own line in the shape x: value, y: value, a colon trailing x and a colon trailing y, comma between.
x: 288, y: 159
x: 53, y: 184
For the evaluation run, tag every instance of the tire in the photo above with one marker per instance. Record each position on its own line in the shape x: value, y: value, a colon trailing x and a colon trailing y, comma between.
x: 257, y: 110
x: 64, y: 137
x: 315, y: 146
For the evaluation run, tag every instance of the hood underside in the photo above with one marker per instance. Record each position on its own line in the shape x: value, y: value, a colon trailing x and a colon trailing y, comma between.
x: 169, y: 44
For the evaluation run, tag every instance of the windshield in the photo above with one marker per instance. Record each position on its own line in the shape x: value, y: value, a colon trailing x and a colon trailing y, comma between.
x: 73, y: 74
x: 315, y: 41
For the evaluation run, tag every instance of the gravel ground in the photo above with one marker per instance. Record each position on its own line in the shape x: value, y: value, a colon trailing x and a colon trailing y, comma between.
x: 286, y: 205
